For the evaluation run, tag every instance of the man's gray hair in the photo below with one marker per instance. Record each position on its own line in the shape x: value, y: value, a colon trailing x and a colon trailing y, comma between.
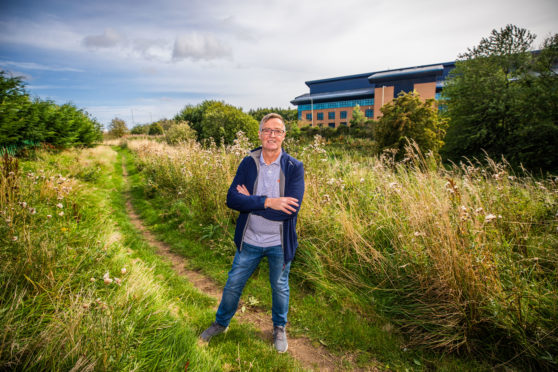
x: 270, y: 116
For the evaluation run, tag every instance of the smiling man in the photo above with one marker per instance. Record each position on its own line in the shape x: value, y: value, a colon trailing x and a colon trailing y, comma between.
x: 267, y: 191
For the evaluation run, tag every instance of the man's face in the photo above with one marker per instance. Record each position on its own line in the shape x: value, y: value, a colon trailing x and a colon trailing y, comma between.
x: 272, y: 141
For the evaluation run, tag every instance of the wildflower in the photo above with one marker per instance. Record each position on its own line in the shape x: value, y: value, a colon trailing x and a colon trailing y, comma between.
x: 123, y: 270
x: 61, y: 214
x: 60, y: 197
x: 331, y: 181
x: 92, y: 279
x: 107, y: 280
x: 489, y: 217
x: 463, y: 208
x: 393, y: 185
x: 478, y: 210
x: 361, y: 180
x: 59, y: 205
x: 63, y: 229
x: 14, y: 238
x: 117, y: 281
x: 86, y: 306
x: 32, y: 210
x: 327, y: 198
x: 24, y: 204
x: 49, y: 216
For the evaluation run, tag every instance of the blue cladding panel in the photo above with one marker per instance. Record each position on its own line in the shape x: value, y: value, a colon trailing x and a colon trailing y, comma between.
x: 344, y: 84
x: 404, y: 85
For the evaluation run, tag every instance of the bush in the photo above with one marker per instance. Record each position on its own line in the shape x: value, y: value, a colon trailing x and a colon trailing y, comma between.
x: 221, y: 122
x: 408, y: 118
x: 180, y: 132
x: 155, y: 129
x: 117, y: 128
x: 24, y: 121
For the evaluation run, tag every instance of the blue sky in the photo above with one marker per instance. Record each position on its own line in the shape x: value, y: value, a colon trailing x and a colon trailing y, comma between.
x: 149, y: 59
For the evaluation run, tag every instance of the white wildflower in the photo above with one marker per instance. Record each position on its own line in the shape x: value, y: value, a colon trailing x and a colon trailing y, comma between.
x: 61, y: 214
x: 59, y: 205
x: 361, y: 180
x: 489, y: 217
x: 14, y: 238
x: 123, y: 270
x: 92, y: 279
x: 117, y: 281
x: 478, y: 210
x: 49, y: 216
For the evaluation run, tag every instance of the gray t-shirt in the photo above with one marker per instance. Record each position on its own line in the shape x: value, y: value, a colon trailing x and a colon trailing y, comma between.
x: 260, y: 231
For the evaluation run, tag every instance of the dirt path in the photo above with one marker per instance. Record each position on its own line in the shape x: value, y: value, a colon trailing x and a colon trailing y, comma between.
x: 301, y: 348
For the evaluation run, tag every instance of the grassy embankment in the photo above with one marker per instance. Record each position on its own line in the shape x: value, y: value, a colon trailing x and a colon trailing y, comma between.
x: 462, y: 260
x: 63, y: 228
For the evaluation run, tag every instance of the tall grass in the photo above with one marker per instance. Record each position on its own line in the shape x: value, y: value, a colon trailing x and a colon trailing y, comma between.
x: 462, y: 259
x: 72, y: 295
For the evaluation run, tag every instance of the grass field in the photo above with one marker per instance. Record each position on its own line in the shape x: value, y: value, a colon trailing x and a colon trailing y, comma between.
x: 424, y: 258
x: 400, y: 266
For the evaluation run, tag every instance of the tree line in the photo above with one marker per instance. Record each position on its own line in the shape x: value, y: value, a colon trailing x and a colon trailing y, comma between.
x: 26, y: 121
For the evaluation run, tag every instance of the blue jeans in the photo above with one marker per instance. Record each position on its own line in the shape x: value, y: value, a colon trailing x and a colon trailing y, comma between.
x: 244, y: 264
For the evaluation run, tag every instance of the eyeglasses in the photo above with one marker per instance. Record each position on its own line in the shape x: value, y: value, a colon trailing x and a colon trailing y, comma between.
x: 268, y: 131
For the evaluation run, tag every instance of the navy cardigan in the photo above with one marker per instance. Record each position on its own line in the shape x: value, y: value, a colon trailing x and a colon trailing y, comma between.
x: 291, y: 184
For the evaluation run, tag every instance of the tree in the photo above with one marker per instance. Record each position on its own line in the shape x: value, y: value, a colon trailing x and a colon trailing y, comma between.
x: 155, y: 129
x: 408, y: 117
x: 194, y: 115
x: 221, y: 122
x: 499, y: 96
x: 117, y: 128
x: 358, y: 119
x: 26, y: 122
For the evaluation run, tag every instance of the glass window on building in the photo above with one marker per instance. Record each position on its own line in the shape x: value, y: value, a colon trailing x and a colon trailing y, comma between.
x: 320, y: 116
x: 343, y: 114
x: 331, y: 115
x: 299, y: 115
x: 369, y: 113
x: 308, y: 116
x: 344, y: 123
x: 332, y: 125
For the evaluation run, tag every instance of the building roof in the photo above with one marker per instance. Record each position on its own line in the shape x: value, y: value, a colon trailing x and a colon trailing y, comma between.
x: 406, y: 72
x: 317, y: 97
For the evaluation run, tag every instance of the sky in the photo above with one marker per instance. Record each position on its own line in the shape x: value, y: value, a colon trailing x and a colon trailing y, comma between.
x: 143, y: 61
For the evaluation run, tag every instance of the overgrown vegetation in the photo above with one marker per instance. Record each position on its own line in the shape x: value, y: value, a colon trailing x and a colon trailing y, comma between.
x: 81, y: 290
x: 218, y: 121
x: 25, y: 121
x: 406, y: 118
x: 461, y: 260
x: 502, y: 98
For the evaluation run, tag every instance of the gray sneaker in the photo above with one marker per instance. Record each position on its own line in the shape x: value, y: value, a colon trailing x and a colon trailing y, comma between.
x: 280, y: 339
x: 213, y: 330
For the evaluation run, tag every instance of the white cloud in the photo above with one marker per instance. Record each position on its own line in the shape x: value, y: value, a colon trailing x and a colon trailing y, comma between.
x: 108, y: 39
x: 198, y: 46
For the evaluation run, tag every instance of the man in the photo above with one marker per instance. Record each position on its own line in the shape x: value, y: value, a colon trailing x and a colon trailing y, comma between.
x: 267, y: 191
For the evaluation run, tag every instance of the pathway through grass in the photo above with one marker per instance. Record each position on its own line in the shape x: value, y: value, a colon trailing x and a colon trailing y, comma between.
x: 301, y: 348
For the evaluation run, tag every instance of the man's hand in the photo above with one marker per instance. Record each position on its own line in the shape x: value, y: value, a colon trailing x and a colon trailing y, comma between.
x: 283, y: 204
x: 242, y: 189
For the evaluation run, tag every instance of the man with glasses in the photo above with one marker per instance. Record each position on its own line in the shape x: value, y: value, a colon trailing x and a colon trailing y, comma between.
x: 267, y: 191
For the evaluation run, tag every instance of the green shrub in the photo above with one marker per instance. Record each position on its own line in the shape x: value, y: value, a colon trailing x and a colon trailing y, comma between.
x: 180, y: 132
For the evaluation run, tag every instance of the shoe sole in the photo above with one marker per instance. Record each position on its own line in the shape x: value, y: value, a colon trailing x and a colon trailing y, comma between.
x: 284, y: 351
